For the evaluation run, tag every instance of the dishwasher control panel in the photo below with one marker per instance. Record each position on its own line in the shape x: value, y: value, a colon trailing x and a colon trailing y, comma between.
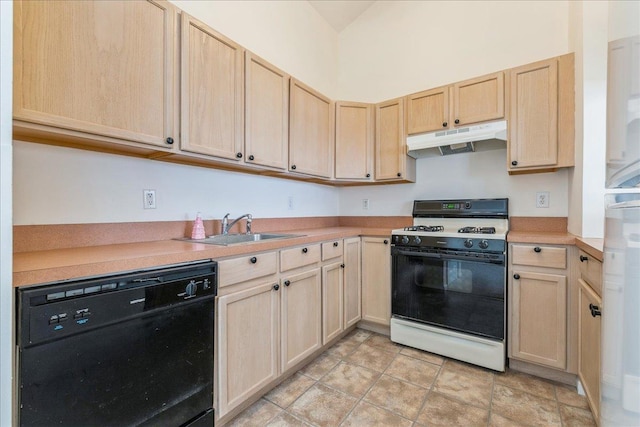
x: 54, y: 311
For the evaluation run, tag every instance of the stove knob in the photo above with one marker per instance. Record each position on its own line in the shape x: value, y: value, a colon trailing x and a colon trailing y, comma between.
x: 191, y: 288
x: 417, y: 240
x: 405, y: 240
x: 483, y: 244
x: 468, y: 243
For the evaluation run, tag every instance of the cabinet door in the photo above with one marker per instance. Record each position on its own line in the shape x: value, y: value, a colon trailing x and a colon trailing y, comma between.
x: 390, y: 140
x: 428, y: 111
x: 589, y: 344
x: 104, y: 68
x: 478, y: 100
x: 354, y: 141
x: 248, y: 336
x: 352, y: 282
x: 539, y: 318
x: 332, y: 301
x: 533, y: 118
x: 211, y: 92
x: 301, y: 325
x: 376, y: 280
x: 266, y: 113
x: 311, y: 129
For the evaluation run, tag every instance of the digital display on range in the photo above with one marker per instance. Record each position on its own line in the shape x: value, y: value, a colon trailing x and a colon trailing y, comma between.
x: 451, y: 206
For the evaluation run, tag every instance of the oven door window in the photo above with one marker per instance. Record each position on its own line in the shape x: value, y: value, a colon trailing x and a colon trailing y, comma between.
x: 462, y: 294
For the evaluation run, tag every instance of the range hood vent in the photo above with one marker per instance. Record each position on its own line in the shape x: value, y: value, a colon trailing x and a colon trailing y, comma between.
x: 485, y: 136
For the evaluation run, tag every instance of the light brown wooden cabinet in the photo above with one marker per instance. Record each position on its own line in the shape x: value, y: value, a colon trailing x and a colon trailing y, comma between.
x: 590, y: 329
x: 108, y: 84
x: 266, y: 114
x: 376, y: 280
x: 541, y: 115
x: 332, y: 300
x: 540, y: 304
x: 352, y: 282
x: 391, y: 160
x: 301, y: 317
x: 461, y: 104
x: 211, y: 96
x: 248, y: 334
x: 354, y: 141
x: 311, y: 131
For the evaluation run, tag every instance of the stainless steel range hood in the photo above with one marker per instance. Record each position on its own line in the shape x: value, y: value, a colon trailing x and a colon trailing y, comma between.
x: 485, y: 136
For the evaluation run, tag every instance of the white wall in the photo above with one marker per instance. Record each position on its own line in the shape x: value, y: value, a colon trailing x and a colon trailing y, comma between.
x: 587, y: 181
x: 6, y: 235
x: 54, y: 185
x: 470, y: 175
x: 399, y: 47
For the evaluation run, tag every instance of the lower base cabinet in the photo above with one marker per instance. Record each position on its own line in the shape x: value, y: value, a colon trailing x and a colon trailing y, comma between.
x: 539, y: 318
x: 248, y: 339
x: 376, y: 280
x: 301, y: 317
x: 589, y: 321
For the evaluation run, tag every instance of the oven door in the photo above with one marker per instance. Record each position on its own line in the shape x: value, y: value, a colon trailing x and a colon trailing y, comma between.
x: 461, y: 292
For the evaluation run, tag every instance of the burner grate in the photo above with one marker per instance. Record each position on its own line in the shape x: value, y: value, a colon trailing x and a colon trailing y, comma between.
x: 478, y: 230
x: 427, y: 228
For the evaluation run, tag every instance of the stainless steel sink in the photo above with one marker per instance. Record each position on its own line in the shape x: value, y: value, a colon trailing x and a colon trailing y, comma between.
x: 235, y: 239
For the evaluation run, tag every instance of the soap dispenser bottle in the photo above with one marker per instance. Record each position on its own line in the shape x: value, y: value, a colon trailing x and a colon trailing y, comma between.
x: 198, y: 228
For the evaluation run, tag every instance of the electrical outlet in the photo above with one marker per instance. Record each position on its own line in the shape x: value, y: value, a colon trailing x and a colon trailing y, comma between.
x: 365, y: 204
x: 290, y: 203
x: 542, y: 199
x: 149, y: 199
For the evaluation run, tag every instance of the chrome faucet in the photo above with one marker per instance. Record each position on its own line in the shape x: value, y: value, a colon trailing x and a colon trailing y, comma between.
x: 226, y: 226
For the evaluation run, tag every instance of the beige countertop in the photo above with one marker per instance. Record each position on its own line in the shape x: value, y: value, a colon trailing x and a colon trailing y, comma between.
x: 30, y: 268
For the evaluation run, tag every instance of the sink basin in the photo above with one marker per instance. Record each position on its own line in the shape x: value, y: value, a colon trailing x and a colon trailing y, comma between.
x: 234, y: 239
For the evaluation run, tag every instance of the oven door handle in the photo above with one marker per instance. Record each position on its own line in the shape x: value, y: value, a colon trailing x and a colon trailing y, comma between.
x: 446, y: 257
x: 417, y: 254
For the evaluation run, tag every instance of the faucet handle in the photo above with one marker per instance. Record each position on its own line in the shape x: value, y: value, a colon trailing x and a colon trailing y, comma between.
x: 249, y: 219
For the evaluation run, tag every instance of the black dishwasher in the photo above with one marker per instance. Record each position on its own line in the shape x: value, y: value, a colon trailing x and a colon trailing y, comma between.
x: 132, y: 349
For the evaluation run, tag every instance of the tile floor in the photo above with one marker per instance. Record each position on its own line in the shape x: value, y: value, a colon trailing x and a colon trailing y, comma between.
x: 366, y: 380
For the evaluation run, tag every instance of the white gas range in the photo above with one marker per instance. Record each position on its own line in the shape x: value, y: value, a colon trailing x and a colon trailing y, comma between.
x: 449, y: 280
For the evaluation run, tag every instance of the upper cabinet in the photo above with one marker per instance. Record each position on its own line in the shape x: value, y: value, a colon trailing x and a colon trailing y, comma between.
x: 100, y: 74
x: 428, y: 111
x: 354, y: 141
x: 461, y: 104
x: 266, y: 113
x: 311, y: 126
x: 119, y: 76
x: 211, y: 98
x: 541, y: 115
x: 478, y: 100
x: 391, y: 160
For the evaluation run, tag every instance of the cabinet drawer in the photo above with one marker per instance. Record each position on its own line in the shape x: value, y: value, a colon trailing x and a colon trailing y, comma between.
x: 245, y: 268
x: 332, y: 249
x: 539, y: 256
x: 299, y: 257
x: 591, y: 271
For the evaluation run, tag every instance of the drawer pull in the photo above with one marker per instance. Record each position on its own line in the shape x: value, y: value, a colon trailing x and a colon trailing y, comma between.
x: 287, y: 282
x: 305, y: 250
x: 385, y: 241
x: 276, y: 287
x: 595, y: 310
x: 341, y: 265
x: 253, y: 260
x: 537, y: 249
x: 335, y: 244
x: 516, y: 276
x: 583, y: 258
